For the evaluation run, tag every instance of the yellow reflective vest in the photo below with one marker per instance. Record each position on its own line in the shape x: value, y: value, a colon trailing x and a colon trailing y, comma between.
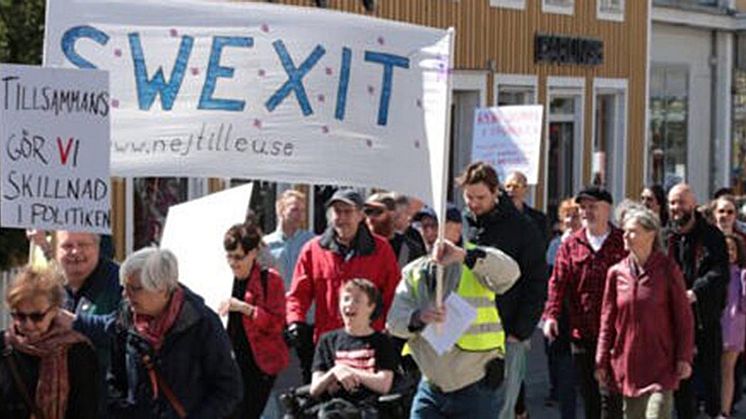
x: 486, y: 332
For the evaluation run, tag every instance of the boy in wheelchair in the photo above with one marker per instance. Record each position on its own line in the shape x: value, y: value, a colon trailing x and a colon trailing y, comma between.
x: 353, y: 366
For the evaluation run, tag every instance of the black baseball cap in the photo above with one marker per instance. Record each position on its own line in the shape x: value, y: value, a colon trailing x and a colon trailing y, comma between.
x: 425, y: 212
x: 594, y: 192
x: 453, y: 214
x: 348, y: 196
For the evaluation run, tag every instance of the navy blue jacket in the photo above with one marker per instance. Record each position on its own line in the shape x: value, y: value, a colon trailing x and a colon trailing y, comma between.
x: 195, y: 360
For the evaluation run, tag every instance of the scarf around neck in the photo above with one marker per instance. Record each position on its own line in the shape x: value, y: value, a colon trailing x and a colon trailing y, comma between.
x: 53, y: 386
x: 153, y: 329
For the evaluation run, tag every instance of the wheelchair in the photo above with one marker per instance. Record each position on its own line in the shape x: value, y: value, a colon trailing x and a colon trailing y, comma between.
x: 299, y: 404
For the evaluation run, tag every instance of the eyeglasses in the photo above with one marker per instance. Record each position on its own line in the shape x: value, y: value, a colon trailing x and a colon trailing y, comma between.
x: 726, y: 211
x: 373, y: 212
x: 234, y: 257
x: 35, y: 317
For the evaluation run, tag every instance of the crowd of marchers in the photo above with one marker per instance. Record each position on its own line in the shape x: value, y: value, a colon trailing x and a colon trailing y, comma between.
x: 642, y: 307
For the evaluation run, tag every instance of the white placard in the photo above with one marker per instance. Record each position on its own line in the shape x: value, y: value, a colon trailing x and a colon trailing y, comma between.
x: 54, y: 131
x: 263, y: 91
x: 194, y: 232
x: 459, y: 317
x: 509, y: 138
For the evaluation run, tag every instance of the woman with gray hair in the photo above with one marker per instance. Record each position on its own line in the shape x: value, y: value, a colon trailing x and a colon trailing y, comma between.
x: 646, y: 339
x: 175, y: 355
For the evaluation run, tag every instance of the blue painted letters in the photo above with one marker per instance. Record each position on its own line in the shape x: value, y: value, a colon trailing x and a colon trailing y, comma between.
x: 388, y: 61
x: 344, y: 81
x: 148, y: 88
x: 295, y: 78
x: 71, y: 36
x: 215, y: 70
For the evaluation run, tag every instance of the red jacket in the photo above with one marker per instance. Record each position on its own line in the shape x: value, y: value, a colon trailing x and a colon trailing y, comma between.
x: 322, y: 269
x: 264, y: 327
x: 646, y: 326
x: 580, y: 274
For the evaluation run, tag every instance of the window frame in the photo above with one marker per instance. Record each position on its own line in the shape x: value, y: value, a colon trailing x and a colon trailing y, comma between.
x: 557, y: 8
x: 611, y: 15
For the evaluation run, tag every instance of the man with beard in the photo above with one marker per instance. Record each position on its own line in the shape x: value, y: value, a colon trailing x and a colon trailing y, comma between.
x: 380, y: 213
x: 699, y: 249
x: 579, y: 276
x: 492, y: 220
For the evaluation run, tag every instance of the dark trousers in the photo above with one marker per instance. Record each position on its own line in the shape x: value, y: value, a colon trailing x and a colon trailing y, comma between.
x: 563, y: 370
x: 598, y: 402
x: 305, y: 350
x: 705, y: 380
x: 257, y: 387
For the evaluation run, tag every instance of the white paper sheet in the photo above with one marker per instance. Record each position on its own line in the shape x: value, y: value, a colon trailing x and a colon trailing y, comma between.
x: 459, y: 316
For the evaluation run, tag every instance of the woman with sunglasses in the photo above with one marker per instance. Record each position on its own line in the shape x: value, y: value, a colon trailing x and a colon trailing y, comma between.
x: 256, y: 317
x: 47, y: 370
x: 724, y: 212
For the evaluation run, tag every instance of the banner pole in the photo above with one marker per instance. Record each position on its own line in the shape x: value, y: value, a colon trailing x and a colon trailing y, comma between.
x: 446, y: 164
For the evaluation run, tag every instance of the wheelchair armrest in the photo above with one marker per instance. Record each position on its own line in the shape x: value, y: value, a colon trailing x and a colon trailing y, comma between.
x: 390, y: 398
x: 302, y: 391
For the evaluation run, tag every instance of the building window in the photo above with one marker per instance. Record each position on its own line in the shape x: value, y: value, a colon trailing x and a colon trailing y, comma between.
x: 738, y: 153
x: 669, y: 93
x: 508, y: 95
x: 610, y: 10
x: 509, y: 4
x: 609, y: 135
x: 564, y: 7
x: 152, y: 196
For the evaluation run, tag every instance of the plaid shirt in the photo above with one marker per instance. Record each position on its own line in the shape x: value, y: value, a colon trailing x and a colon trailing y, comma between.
x: 580, y: 275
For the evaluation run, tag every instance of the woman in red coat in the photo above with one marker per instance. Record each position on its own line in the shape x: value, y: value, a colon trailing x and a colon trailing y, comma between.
x: 256, y: 317
x: 646, y: 339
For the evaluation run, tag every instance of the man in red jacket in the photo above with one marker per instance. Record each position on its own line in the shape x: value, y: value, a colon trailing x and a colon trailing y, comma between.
x: 346, y: 250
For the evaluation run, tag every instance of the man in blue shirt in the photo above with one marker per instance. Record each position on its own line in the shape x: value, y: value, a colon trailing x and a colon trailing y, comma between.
x: 285, y: 244
x: 287, y: 240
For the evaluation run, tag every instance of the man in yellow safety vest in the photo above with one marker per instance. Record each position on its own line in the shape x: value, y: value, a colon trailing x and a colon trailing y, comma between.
x: 462, y: 381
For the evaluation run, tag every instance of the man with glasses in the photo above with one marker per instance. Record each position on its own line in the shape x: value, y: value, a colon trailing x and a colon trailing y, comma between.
x: 91, y: 286
x: 380, y: 213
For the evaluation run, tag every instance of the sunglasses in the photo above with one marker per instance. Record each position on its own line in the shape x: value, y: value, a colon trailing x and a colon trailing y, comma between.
x: 375, y: 212
x: 35, y: 317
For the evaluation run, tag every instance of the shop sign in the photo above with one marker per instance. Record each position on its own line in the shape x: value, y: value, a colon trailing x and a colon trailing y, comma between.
x: 572, y: 50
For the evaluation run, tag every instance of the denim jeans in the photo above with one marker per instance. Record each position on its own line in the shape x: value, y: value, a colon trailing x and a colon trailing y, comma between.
x: 475, y: 401
x: 515, y: 371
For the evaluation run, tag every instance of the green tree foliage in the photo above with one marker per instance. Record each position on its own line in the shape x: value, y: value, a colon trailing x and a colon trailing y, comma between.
x: 21, y: 40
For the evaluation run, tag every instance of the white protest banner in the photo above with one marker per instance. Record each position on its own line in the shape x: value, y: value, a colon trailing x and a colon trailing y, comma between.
x: 256, y: 90
x: 54, y: 131
x: 509, y: 138
x: 194, y: 232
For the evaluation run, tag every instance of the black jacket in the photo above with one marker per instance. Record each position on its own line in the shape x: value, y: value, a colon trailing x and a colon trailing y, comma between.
x: 703, y: 258
x: 541, y: 222
x: 82, y: 368
x: 507, y: 229
x: 195, y: 360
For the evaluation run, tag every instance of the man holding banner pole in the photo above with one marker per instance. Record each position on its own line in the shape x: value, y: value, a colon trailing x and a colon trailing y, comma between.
x: 492, y: 220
